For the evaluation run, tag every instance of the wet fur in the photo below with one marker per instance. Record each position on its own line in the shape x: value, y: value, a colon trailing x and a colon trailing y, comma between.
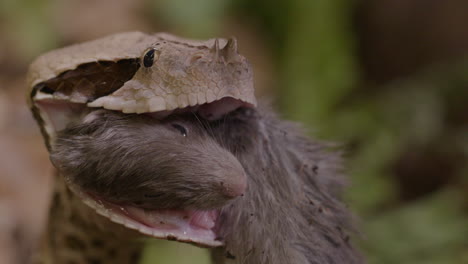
x: 290, y: 213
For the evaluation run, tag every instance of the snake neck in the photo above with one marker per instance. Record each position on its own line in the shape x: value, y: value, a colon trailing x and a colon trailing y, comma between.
x: 77, y: 234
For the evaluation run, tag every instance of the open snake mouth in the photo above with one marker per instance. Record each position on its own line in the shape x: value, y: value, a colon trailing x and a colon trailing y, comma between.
x: 190, y: 226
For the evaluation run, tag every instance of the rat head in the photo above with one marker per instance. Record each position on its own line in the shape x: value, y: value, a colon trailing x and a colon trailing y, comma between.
x: 165, y: 178
x: 135, y: 160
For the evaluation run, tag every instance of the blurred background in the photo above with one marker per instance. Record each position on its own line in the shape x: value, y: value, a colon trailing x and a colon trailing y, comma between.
x: 386, y: 78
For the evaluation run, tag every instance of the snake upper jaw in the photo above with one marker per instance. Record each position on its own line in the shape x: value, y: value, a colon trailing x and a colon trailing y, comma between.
x: 114, y: 73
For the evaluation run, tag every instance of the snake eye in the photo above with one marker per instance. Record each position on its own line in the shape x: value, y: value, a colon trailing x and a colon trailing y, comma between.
x: 181, y: 129
x: 148, y: 58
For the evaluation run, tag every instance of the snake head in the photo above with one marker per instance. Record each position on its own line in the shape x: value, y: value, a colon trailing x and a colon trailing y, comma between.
x: 155, y: 75
x: 139, y: 73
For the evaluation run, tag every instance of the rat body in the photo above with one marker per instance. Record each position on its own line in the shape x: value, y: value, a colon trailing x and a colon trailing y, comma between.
x: 290, y: 212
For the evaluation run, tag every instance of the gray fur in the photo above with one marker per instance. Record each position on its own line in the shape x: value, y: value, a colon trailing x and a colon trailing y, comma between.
x: 290, y: 213
x: 135, y: 159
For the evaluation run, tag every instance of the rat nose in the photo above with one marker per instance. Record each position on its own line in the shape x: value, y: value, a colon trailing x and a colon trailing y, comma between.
x: 235, y: 185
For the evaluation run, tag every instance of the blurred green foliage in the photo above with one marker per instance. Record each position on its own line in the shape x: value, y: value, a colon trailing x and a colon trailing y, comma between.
x: 428, y: 231
x: 200, y: 19
x: 163, y: 252
x: 29, y: 25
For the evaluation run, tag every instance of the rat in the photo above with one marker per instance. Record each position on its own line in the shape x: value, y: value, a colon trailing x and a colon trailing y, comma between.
x: 277, y: 191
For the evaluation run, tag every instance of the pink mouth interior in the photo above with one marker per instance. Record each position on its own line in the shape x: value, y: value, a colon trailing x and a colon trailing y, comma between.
x: 192, y: 226
x: 173, y: 219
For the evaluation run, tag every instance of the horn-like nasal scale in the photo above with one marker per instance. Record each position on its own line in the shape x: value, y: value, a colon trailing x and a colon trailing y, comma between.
x: 215, y: 49
x: 229, y: 52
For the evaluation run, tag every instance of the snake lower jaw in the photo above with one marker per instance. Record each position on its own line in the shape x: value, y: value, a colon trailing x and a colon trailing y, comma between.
x: 196, y: 227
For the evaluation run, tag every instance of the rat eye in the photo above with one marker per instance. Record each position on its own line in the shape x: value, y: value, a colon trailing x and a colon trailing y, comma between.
x: 181, y: 129
x: 149, y: 57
